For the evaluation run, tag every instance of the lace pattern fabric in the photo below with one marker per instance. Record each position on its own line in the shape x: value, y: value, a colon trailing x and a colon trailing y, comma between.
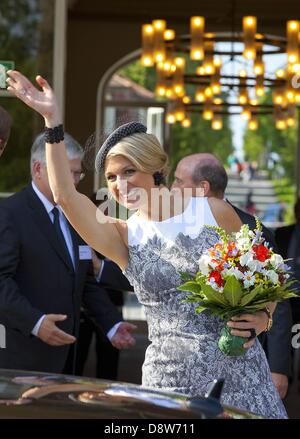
x: 183, y: 355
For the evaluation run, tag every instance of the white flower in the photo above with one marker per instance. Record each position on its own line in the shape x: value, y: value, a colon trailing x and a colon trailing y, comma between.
x: 244, y: 232
x: 243, y: 243
x: 246, y: 258
x: 255, y: 265
x: 273, y: 276
x: 234, y: 272
x: 249, y: 279
x: 251, y: 234
x: 276, y: 260
x: 204, y: 264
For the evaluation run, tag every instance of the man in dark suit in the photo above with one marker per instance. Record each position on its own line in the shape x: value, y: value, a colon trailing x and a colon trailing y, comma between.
x: 205, y: 171
x: 110, y: 277
x: 46, y: 274
x: 288, y: 241
x: 5, y: 126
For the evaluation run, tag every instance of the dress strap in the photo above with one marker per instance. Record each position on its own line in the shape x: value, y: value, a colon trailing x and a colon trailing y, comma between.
x: 210, y: 217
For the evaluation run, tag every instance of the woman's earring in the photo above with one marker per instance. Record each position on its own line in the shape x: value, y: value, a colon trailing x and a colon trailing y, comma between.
x: 158, y: 178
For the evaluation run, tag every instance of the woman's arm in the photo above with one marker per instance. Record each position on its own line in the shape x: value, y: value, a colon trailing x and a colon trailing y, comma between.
x: 108, y: 237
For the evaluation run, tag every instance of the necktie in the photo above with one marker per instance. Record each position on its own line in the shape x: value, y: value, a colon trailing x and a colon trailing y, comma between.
x: 60, y: 235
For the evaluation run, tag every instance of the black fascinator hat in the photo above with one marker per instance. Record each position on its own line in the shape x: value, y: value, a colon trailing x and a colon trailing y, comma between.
x: 128, y: 129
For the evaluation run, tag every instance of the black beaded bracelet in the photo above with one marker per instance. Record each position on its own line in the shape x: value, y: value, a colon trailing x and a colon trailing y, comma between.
x: 54, y: 135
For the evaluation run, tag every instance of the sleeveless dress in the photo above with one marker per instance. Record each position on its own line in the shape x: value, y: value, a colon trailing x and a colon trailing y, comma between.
x: 183, y: 356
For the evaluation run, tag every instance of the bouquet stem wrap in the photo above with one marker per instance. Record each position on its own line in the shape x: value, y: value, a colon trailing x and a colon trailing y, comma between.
x: 231, y: 345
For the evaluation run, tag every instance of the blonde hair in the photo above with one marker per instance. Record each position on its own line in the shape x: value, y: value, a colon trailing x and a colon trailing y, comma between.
x: 144, y: 151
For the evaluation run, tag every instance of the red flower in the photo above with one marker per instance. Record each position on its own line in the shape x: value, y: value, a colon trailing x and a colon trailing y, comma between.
x: 219, y: 264
x: 216, y: 276
x: 262, y: 252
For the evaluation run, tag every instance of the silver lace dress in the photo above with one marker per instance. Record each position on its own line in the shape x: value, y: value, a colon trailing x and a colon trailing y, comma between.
x: 183, y: 355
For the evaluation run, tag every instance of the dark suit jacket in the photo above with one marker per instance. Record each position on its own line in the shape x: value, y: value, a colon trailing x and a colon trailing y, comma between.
x: 114, y: 281
x: 283, y: 236
x: 36, y: 279
x: 276, y: 342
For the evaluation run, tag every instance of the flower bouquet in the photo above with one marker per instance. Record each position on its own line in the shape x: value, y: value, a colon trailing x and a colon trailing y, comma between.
x: 239, y: 274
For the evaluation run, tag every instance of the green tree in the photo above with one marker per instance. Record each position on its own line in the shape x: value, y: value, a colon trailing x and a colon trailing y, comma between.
x: 25, y: 37
x: 259, y: 144
x: 143, y: 76
x: 200, y: 137
x: 18, y: 29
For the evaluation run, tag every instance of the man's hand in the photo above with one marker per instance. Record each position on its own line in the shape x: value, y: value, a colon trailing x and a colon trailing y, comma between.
x: 257, y: 321
x: 51, y: 334
x: 281, y: 383
x: 123, y: 338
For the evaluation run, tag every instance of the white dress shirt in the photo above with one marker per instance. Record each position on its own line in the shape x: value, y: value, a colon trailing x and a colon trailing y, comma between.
x: 67, y: 235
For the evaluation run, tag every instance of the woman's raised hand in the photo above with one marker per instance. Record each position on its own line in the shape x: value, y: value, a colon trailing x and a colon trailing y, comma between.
x: 44, y: 102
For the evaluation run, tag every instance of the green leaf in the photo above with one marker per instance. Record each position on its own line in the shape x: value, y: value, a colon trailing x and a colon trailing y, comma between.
x: 247, y: 298
x: 200, y: 309
x: 221, y: 232
x: 290, y: 294
x: 258, y: 224
x: 186, y: 276
x: 195, y: 298
x: 200, y: 277
x: 232, y: 290
x: 191, y: 287
x: 213, y: 296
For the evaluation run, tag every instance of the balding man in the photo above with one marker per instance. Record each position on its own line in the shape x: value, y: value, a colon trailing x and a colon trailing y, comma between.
x: 205, y: 171
x: 5, y: 126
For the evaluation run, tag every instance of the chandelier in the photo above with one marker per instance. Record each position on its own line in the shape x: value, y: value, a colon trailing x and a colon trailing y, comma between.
x: 203, y: 89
